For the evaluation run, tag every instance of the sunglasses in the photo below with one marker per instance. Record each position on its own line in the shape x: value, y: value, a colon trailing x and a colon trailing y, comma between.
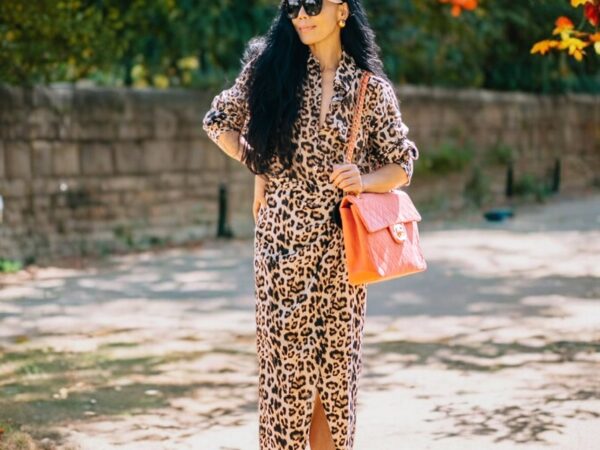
x: 312, y: 7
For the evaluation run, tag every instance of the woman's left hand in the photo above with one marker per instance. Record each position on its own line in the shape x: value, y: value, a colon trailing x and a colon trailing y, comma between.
x: 347, y: 177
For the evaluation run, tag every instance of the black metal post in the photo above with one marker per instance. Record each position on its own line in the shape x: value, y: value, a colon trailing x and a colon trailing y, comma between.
x: 223, y: 229
x: 509, y: 180
x: 556, y: 176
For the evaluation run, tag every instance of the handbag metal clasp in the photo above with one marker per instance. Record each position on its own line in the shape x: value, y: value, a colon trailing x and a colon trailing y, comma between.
x: 399, y: 231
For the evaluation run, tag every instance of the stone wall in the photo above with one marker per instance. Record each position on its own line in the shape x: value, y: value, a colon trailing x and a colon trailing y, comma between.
x: 89, y: 170
x: 538, y: 130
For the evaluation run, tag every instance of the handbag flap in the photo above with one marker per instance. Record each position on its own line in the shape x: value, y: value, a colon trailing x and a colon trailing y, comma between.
x: 380, y: 210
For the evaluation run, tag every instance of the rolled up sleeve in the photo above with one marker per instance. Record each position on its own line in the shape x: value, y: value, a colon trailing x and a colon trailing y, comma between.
x: 388, y: 138
x: 228, y: 109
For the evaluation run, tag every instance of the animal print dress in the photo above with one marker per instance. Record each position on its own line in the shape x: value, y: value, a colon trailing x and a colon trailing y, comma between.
x: 309, y: 319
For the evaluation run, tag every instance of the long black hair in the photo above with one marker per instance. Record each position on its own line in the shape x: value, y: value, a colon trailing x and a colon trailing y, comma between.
x: 277, y: 73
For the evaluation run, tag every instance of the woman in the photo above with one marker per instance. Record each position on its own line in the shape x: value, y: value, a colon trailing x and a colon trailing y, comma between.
x: 287, y: 118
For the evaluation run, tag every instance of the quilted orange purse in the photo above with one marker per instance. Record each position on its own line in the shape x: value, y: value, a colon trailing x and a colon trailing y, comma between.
x: 381, y: 236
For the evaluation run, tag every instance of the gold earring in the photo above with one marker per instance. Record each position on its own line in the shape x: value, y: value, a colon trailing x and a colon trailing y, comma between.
x: 342, y: 23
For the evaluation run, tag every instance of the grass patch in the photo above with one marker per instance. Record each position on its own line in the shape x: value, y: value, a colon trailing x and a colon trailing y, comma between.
x: 10, y: 266
x: 42, y: 388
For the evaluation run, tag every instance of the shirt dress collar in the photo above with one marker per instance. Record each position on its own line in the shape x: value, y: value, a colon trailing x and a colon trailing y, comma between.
x: 345, y: 74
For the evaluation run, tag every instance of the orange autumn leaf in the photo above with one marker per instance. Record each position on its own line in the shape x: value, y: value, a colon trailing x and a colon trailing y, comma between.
x: 572, y: 40
x: 459, y: 5
x: 562, y: 24
x: 544, y: 46
x: 595, y: 38
x: 576, y: 3
x: 574, y: 46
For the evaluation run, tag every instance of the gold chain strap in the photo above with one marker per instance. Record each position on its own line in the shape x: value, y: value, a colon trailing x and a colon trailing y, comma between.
x: 357, y: 116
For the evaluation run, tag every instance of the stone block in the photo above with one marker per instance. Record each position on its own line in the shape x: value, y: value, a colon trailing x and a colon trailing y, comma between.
x: 162, y: 210
x: 98, y: 213
x: 17, y: 159
x: 141, y: 198
x: 196, y: 151
x: 123, y: 183
x: 12, y: 218
x: 99, y: 105
x: 135, y: 130
x: 65, y: 159
x: 212, y: 179
x: 194, y: 179
x: 158, y: 156
x: 169, y: 181
x: 94, y: 131
x: 13, y: 188
x: 66, y: 130
x: 42, y: 123
x: 96, y: 159
x: 129, y: 158
x: 108, y: 199
x: 190, y: 130
x: 165, y: 126
x: 43, y: 186
x: 240, y: 174
x: 41, y: 158
x: 172, y: 195
x: 215, y: 160
x: 181, y: 155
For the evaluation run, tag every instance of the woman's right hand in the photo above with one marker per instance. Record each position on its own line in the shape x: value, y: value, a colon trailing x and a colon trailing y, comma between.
x: 259, y: 195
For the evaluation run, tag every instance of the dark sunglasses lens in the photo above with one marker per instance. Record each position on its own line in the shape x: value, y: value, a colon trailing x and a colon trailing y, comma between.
x: 292, y: 8
x: 312, y: 7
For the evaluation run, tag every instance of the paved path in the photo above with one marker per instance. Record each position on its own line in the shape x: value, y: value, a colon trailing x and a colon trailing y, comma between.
x: 496, y: 346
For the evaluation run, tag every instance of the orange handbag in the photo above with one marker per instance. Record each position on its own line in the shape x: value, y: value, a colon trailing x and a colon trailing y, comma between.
x: 381, y: 237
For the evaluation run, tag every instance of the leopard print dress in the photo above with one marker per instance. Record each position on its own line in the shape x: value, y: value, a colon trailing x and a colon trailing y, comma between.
x: 309, y: 319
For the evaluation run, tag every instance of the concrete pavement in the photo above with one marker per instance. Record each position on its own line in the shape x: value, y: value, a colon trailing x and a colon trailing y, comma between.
x: 496, y: 346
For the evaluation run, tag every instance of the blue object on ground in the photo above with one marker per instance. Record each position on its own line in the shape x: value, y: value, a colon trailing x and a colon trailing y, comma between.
x: 498, y: 214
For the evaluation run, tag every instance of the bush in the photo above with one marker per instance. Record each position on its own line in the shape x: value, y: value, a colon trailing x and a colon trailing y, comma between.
x: 500, y: 154
x: 447, y: 158
x: 529, y: 186
x: 477, y: 189
x: 188, y: 43
x: 9, y: 266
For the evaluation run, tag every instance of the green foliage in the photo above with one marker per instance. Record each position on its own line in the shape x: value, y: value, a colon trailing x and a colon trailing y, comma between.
x: 500, y: 154
x: 530, y: 186
x: 488, y: 48
x: 160, y: 42
x: 9, y: 266
x: 47, y: 39
x: 432, y: 206
x: 477, y: 189
x: 199, y: 42
x: 448, y: 157
x: 5, y: 428
x: 124, y: 234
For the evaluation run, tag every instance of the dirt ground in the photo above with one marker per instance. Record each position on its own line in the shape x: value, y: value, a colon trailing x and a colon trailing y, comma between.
x: 496, y: 346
